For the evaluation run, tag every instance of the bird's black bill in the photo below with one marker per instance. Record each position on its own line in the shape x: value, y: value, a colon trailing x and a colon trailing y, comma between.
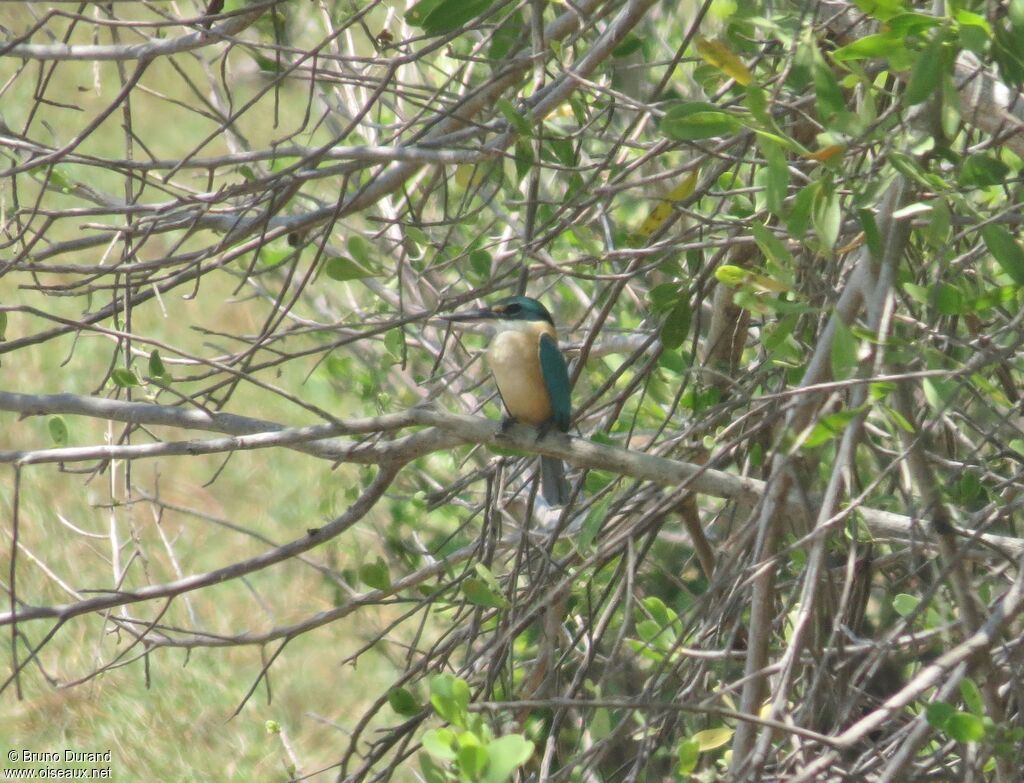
x: 482, y: 314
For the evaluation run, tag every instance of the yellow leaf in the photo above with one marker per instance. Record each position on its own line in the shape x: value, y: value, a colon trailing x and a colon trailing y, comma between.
x: 709, y: 739
x: 767, y: 283
x: 470, y: 175
x: 719, y: 55
x: 663, y: 211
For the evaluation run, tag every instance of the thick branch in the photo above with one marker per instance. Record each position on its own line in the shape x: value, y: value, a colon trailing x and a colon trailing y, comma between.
x: 447, y: 430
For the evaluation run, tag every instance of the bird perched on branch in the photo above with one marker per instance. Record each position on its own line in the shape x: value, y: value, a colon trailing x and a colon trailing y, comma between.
x: 531, y: 374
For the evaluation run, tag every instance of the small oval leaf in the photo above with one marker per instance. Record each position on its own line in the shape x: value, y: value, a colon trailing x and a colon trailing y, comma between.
x: 58, y: 430
x: 1005, y: 251
x: 479, y: 593
x: 697, y: 120
x: 342, y: 269
x: 403, y: 702
x: 124, y: 378
x: 719, y: 55
x: 709, y: 739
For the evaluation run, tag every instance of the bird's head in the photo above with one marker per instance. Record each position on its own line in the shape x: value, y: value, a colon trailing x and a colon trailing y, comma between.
x: 512, y: 312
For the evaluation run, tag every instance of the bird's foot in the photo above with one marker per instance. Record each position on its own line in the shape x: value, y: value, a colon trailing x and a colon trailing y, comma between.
x: 507, y: 423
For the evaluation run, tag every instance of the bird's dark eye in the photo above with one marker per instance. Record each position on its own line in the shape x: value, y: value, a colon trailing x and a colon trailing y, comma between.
x: 512, y: 309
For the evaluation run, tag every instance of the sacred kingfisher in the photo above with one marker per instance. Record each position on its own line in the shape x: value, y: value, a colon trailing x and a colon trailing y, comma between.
x: 531, y: 374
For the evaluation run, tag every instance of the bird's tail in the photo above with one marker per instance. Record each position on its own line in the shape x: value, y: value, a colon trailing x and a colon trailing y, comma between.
x: 553, y: 485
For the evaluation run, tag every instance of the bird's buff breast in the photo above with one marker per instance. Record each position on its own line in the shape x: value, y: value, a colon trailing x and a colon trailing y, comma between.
x: 515, y: 362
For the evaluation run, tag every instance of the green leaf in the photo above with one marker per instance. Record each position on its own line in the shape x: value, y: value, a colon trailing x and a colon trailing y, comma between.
x: 156, y: 365
x: 697, y: 120
x: 488, y: 576
x: 918, y: 293
x: 505, y: 37
x: 663, y: 296
x: 938, y: 712
x: 776, y: 175
x: 757, y: 102
x: 898, y: 419
x: 515, y: 119
x: 730, y: 275
x: 773, y: 248
x: 269, y: 255
x: 936, y: 233
x: 927, y: 71
x: 872, y: 236
x: 64, y: 183
x: 970, y: 491
x: 403, y: 702
x: 341, y: 269
x: 436, y: 17
x: 1005, y: 48
x: 631, y: 43
x: 974, y: 37
x: 870, y: 46
x: 905, y: 604
x: 882, y: 10
x: 563, y: 150
x: 479, y: 593
x: 982, y: 170
x: 440, y: 743
x: 913, y: 24
x: 285, y: 161
x: 653, y: 633
x: 480, y: 261
x: 1005, y: 251
x: 964, y: 727
x: 776, y: 338
x: 361, y: 251
x: 124, y: 378
x: 973, y: 20
x: 800, y: 213
x: 676, y: 325
x: 826, y: 216
x: 827, y: 90
x: 844, y: 351
x: 450, y: 697
x: 268, y: 65
x: 687, y: 756
x: 394, y: 343
x: 505, y: 756
x: 937, y: 394
x: 58, y: 430
x: 948, y: 299
x: 375, y: 575
x: 431, y: 772
x: 592, y: 525
x: 829, y: 427
x: 709, y: 739
x: 971, y: 694
x: 472, y: 757
x: 523, y: 159
x: 660, y: 613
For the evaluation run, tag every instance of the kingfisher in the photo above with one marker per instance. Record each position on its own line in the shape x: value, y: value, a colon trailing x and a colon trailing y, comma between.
x: 531, y: 374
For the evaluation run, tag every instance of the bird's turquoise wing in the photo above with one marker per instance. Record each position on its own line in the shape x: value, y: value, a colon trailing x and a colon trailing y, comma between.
x: 556, y: 379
